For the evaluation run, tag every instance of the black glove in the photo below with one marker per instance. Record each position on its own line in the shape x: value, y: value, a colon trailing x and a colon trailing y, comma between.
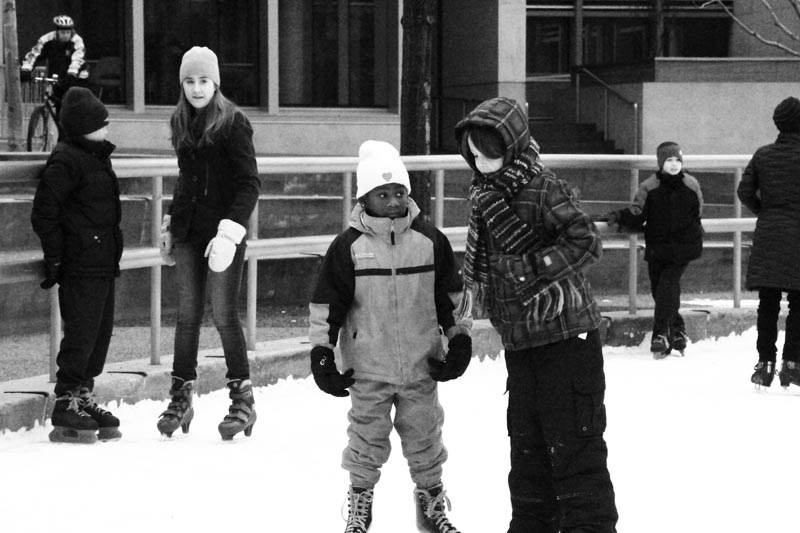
x: 459, y: 354
x: 52, y: 269
x: 24, y: 75
x: 328, y: 379
x: 610, y: 218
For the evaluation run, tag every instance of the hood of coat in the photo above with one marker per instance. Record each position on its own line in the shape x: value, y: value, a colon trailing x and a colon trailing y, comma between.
x: 382, y: 226
x: 507, y: 117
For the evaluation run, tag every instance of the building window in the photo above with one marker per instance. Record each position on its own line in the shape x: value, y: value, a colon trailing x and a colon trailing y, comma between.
x: 333, y: 53
x: 230, y: 29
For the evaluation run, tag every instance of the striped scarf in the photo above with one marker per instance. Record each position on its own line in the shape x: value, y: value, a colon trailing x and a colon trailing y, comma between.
x: 491, y: 210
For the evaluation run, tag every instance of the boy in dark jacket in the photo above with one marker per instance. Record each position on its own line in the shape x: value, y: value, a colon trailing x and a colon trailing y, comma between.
x: 382, y: 295
x: 528, y: 245
x: 668, y: 205
x: 771, y: 190
x: 76, y: 214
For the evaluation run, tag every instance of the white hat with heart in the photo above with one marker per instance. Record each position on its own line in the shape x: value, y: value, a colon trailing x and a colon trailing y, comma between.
x: 378, y: 164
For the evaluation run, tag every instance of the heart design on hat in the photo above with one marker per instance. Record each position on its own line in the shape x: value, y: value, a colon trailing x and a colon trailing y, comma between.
x: 386, y: 176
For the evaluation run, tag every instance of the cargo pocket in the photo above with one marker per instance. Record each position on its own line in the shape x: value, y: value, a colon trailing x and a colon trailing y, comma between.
x: 590, y: 409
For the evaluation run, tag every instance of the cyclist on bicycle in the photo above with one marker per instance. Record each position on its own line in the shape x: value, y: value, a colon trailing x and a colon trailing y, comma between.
x: 64, y: 52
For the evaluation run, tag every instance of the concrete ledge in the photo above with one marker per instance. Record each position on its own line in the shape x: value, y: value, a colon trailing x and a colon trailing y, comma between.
x: 24, y: 402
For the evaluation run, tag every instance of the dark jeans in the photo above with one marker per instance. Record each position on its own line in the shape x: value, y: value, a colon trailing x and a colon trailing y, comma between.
x: 665, y: 285
x: 87, y: 310
x: 769, y: 307
x: 559, y: 480
x: 194, y: 280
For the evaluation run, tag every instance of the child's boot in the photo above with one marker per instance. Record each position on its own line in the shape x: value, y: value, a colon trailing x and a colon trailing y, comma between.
x: 108, y: 424
x: 790, y: 373
x: 242, y: 413
x: 431, y: 517
x: 70, y: 422
x: 179, y: 413
x: 764, y: 372
x: 659, y: 346
x: 359, y: 510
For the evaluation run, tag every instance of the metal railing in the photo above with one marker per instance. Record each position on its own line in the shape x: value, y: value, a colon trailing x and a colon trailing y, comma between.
x: 26, y: 266
x: 607, y: 90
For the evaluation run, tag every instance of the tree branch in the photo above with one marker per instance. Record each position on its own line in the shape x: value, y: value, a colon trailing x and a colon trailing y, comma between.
x: 749, y: 30
x: 778, y: 22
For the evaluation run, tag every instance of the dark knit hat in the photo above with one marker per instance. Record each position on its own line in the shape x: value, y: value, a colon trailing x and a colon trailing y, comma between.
x: 81, y: 112
x: 666, y: 150
x: 787, y: 115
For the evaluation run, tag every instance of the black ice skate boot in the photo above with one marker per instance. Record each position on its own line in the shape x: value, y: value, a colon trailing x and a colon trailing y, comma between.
x: 359, y: 510
x: 790, y: 373
x: 431, y: 517
x: 107, y: 423
x: 242, y: 413
x: 764, y: 372
x: 659, y: 346
x: 179, y: 413
x: 70, y: 422
x: 679, y: 339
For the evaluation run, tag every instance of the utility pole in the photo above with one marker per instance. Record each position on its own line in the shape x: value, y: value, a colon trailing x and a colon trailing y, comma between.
x: 13, y: 89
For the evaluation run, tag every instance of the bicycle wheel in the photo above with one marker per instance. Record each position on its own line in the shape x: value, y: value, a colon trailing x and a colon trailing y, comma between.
x: 41, y: 131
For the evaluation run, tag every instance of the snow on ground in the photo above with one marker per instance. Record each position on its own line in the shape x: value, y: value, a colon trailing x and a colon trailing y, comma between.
x: 693, y: 448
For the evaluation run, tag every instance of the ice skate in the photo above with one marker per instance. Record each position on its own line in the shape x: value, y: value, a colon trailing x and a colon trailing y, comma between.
x: 790, y: 373
x: 70, y: 422
x: 179, y: 413
x: 108, y: 424
x: 659, y: 346
x: 242, y: 413
x: 679, y: 340
x: 431, y: 517
x: 359, y: 510
x: 764, y: 372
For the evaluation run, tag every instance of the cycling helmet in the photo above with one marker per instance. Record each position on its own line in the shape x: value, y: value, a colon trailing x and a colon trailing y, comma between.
x: 63, y: 22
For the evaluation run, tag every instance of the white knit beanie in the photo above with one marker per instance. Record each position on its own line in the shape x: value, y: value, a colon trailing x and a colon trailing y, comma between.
x: 378, y: 164
x: 199, y: 61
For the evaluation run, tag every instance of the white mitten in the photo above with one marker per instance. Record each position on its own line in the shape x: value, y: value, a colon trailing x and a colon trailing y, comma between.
x: 166, y: 242
x: 222, y: 248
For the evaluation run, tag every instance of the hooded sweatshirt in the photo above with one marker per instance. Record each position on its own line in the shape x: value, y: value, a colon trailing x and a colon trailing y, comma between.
x: 539, y: 296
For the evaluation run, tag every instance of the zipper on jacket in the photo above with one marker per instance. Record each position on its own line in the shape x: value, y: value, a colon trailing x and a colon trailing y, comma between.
x: 391, y: 232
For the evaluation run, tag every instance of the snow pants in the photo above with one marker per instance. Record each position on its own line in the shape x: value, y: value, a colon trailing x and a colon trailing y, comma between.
x: 769, y: 308
x: 87, y: 309
x: 665, y: 286
x: 418, y: 419
x: 559, y: 479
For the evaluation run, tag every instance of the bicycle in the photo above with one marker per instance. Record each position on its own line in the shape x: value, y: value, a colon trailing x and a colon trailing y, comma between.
x: 44, y: 128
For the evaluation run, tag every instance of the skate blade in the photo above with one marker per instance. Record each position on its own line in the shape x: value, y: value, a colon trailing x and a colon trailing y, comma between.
x: 73, y: 436
x: 109, y: 434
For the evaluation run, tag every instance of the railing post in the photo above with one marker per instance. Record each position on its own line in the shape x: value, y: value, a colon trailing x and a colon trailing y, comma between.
x: 605, y: 114
x: 633, y: 252
x: 737, y: 242
x: 439, y: 204
x: 577, y: 96
x: 155, y: 274
x: 252, y: 285
x: 347, y: 194
x: 55, y: 332
x: 636, y: 143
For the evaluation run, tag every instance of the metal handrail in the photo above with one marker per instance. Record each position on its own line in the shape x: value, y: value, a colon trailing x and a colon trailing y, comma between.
x: 606, y: 90
x: 26, y: 266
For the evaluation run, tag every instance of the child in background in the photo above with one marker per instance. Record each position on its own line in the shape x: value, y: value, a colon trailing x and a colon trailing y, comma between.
x: 382, y: 292
x: 528, y: 245
x: 76, y: 214
x: 771, y: 190
x: 668, y: 205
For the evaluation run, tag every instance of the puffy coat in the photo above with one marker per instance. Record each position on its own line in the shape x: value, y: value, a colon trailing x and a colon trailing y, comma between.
x: 382, y: 296
x: 76, y: 209
x: 669, y: 208
x: 770, y: 188
x: 62, y: 58
x: 215, y: 181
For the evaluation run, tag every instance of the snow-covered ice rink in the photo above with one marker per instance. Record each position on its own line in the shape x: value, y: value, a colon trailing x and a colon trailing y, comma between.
x: 693, y: 447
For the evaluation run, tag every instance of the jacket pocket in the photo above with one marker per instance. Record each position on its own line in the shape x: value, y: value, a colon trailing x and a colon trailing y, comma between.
x: 98, y: 247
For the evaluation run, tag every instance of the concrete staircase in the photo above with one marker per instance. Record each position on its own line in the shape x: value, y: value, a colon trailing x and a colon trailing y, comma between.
x: 556, y: 137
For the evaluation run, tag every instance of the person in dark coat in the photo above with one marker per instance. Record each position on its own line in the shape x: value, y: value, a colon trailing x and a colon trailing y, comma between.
x: 528, y: 246
x: 668, y: 205
x: 204, y: 236
x: 76, y: 214
x: 770, y: 188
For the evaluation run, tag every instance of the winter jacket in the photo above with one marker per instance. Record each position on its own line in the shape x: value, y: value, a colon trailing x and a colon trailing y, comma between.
x: 216, y: 181
x: 382, y: 295
x: 770, y: 188
x: 568, y: 244
x: 76, y: 209
x: 63, y: 58
x: 669, y: 208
